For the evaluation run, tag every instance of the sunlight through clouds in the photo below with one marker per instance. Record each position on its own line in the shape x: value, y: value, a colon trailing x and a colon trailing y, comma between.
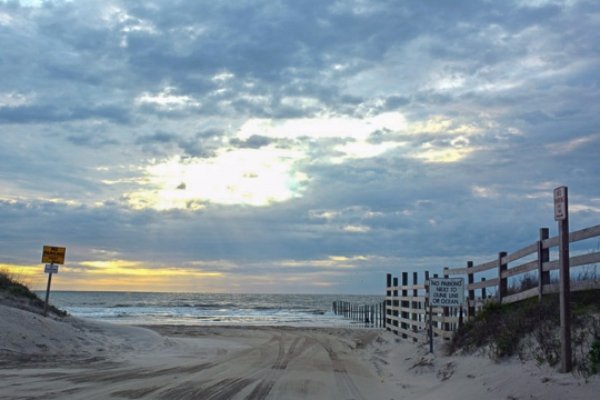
x: 255, y: 177
x: 343, y: 262
x: 138, y: 269
x: 323, y: 127
x: 430, y: 154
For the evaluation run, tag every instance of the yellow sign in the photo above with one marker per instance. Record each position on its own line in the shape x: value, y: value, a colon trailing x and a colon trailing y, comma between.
x: 54, y: 255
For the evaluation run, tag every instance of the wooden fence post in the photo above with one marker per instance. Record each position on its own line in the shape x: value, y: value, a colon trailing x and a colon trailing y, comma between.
x: 502, y: 282
x: 483, y: 290
x: 429, y: 312
x: 395, y: 302
x: 404, y: 304
x: 415, y: 306
x: 388, y: 301
x: 470, y: 281
x: 543, y: 257
x: 561, y: 214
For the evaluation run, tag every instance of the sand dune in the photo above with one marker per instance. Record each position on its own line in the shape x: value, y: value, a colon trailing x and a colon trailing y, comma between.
x: 77, y: 359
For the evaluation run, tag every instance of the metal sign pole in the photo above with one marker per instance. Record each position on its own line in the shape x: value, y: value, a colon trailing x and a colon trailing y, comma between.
x: 430, y: 329
x: 52, y: 255
x: 48, y: 291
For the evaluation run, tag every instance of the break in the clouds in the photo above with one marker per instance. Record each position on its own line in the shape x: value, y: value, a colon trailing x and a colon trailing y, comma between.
x: 290, y: 145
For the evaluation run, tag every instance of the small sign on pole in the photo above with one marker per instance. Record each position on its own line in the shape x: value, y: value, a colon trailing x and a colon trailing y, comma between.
x: 51, y: 268
x: 52, y: 256
x: 560, y: 203
x: 446, y: 292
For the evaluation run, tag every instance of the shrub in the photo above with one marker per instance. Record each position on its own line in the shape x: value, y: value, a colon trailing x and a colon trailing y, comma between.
x: 16, y: 289
x: 502, y: 328
x: 594, y: 357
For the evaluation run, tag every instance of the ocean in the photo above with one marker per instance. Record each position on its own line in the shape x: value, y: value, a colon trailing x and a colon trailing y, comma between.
x: 137, y: 308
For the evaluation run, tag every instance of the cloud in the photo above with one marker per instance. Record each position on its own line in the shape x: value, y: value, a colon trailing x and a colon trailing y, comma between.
x: 244, y: 176
x: 266, y: 139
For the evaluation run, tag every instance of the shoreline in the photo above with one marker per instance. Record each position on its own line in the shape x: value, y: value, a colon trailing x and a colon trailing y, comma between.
x: 72, y: 358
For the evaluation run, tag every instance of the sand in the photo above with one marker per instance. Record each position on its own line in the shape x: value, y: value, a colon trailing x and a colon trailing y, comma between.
x: 46, y: 358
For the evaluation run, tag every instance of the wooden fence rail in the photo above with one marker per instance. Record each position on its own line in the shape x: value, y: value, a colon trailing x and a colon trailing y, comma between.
x: 540, y: 268
x: 407, y: 305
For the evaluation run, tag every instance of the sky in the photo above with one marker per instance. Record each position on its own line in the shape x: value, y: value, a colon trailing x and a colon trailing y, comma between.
x: 290, y: 146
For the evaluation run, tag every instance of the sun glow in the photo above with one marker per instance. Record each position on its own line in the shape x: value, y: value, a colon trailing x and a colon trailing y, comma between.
x: 255, y: 177
x: 122, y: 268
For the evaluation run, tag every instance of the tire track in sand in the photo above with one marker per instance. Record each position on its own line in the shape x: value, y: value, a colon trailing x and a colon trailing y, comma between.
x: 343, y: 380
x: 264, y: 387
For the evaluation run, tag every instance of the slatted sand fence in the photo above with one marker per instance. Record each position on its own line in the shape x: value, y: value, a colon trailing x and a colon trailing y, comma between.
x: 408, y: 312
x: 537, y: 270
x: 366, y: 315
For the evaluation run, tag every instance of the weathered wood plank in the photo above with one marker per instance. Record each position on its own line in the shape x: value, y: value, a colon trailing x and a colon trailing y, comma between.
x: 575, y: 261
x: 526, y: 294
x: 525, y: 251
x: 521, y: 269
x: 403, y: 309
x: 409, y: 287
x: 584, y: 233
x: 482, y: 284
x: 420, y: 299
x: 551, y: 288
x: 413, y: 310
x: 550, y: 242
x: 412, y: 287
x: 477, y: 268
x: 585, y: 259
x: 530, y: 249
x: 575, y: 236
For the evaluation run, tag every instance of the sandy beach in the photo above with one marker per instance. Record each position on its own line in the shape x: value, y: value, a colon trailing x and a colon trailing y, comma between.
x: 45, y: 358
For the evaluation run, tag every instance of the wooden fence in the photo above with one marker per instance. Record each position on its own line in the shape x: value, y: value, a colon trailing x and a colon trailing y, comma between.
x: 507, y: 265
x: 407, y: 305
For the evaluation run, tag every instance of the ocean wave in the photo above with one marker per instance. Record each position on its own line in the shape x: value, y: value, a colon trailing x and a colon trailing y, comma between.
x: 202, y: 309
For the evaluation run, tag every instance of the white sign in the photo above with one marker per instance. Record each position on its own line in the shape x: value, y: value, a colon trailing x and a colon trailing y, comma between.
x: 446, y: 292
x: 560, y: 203
x: 51, y: 269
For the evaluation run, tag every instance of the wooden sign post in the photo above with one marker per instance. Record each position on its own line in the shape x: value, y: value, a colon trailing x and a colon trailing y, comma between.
x: 443, y: 292
x: 561, y: 214
x: 52, y: 256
